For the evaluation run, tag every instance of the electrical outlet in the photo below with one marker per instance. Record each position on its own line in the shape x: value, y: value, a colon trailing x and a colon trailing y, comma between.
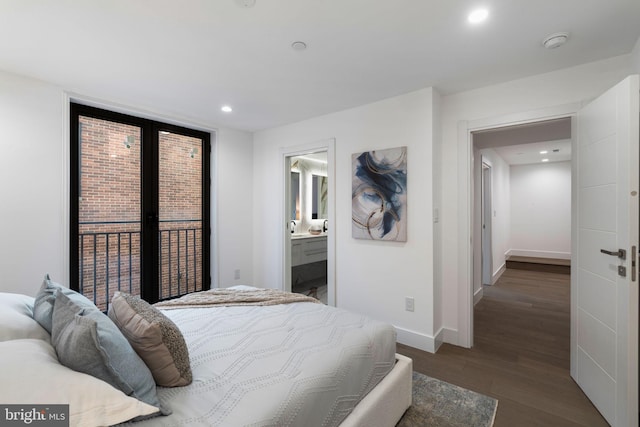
x: 409, y: 303
x: 236, y: 274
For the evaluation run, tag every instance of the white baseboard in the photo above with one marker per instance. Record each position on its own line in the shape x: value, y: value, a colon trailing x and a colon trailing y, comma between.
x: 498, y: 273
x: 419, y: 340
x: 477, y: 296
x: 425, y: 342
x: 539, y: 254
x: 439, y: 339
x: 450, y: 336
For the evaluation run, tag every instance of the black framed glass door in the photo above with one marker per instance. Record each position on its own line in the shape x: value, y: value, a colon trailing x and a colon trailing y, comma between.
x: 139, y: 206
x: 179, y: 213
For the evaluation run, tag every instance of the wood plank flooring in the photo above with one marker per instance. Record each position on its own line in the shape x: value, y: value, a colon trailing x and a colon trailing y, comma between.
x: 520, y: 354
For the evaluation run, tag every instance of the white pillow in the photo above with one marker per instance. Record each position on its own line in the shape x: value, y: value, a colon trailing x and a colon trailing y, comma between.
x: 32, y: 374
x: 16, y: 318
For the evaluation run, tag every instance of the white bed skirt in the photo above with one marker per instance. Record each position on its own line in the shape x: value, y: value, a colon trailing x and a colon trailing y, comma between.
x: 388, y: 401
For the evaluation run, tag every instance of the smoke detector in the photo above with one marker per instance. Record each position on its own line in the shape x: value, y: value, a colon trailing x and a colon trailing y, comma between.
x: 298, y: 45
x: 555, y: 40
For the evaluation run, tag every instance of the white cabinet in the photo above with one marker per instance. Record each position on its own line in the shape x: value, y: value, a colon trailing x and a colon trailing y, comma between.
x: 296, y: 252
x: 308, y: 249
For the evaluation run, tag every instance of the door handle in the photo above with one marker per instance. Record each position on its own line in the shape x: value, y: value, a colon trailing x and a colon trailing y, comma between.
x: 633, y: 263
x: 152, y: 218
x: 620, y: 253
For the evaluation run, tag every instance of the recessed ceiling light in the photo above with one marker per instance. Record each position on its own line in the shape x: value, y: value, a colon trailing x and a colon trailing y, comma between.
x: 226, y: 109
x: 478, y: 16
x: 544, y: 152
x: 299, y: 45
x: 545, y: 160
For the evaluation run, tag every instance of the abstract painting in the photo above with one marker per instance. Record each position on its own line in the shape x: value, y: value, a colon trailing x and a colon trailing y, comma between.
x: 379, y: 195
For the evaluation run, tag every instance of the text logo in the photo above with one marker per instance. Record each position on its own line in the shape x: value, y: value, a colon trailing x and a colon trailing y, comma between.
x: 34, y: 415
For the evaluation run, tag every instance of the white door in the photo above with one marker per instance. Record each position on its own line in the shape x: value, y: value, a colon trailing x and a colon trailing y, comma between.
x: 604, y: 306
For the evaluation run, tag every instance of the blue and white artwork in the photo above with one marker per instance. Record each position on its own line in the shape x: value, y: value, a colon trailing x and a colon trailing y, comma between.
x: 379, y: 195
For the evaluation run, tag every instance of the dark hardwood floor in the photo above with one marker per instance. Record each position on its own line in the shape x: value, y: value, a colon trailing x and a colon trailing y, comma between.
x: 520, y: 354
x: 539, y: 264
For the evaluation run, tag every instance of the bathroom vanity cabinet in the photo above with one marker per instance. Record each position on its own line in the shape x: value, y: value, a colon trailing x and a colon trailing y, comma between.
x: 307, y: 249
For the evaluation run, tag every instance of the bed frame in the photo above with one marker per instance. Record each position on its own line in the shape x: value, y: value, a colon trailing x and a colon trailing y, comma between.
x: 387, y: 402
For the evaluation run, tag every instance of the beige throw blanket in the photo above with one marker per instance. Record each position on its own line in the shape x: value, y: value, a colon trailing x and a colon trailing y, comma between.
x: 232, y: 297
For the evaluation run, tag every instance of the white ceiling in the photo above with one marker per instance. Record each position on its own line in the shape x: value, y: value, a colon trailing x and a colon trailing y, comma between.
x: 523, y: 144
x: 187, y: 58
x: 525, y: 154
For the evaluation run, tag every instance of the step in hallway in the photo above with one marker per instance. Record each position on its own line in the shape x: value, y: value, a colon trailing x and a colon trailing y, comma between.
x: 520, y: 354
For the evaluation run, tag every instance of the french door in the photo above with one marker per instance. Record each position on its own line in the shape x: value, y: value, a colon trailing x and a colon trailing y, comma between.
x: 139, y: 207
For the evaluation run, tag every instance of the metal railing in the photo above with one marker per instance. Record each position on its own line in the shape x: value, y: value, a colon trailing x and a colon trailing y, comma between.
x: 110, y: 259
x: 181, y: 263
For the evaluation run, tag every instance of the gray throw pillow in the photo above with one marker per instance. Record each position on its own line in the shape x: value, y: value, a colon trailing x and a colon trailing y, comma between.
x: 43, y: 304
x: 87, y: 341
x: 155, y: 338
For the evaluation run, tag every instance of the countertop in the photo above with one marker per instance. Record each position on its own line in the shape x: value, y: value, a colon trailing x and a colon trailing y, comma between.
x: 296, y: 236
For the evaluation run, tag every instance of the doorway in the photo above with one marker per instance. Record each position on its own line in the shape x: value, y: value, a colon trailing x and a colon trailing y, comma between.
x: 308, y: 263
x: 139, y: 207
x: 499, y: 229
x: 309, y: 224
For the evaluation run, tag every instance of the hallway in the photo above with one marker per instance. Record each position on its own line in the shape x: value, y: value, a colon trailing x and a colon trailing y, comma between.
x: 520, y: 354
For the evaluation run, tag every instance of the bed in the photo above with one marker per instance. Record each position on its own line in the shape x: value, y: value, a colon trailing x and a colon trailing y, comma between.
x: 292, y: 364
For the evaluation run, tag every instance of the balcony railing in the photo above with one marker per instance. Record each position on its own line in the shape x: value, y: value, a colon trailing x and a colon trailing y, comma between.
x: 110, y: 259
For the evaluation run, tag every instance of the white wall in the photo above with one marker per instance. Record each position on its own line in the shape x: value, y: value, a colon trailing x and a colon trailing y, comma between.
x: 437, y: 223
x: 541, y: 210
x: 500, y: 218
x: 33, y: 184
x: 34, y: 188
x: 477, y: 225
x: 636, y: 57
x: 501, y: 204
x: 576, y: 84
x: 371, y: 277
x: 233, y: 183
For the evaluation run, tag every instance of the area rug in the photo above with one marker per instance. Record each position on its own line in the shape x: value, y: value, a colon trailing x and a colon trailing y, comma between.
x: 440, y: 404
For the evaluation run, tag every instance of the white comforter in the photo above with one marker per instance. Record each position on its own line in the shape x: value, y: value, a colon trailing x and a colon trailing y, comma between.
x: 296, y: 364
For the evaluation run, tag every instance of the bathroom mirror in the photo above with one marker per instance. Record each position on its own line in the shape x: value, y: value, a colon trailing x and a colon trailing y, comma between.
x: 295, y: 196
x: 319, y: 185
